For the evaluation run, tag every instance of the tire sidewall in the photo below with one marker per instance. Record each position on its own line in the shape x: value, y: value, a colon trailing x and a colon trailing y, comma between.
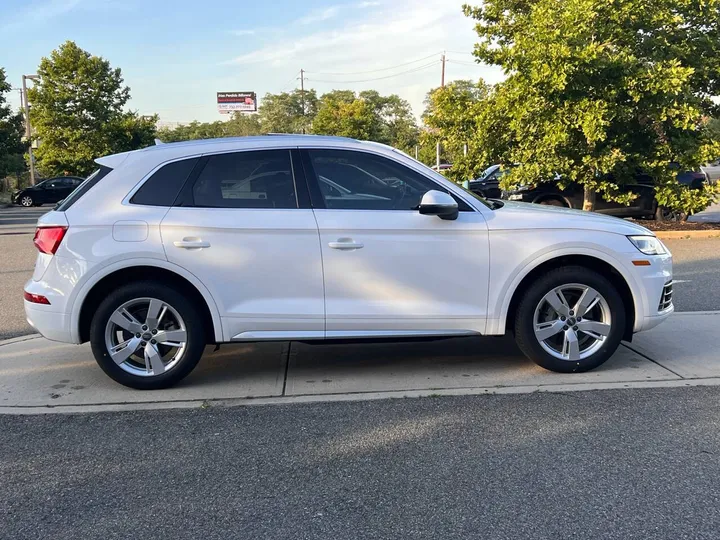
x: 524, y: 323
x: 187, y: 310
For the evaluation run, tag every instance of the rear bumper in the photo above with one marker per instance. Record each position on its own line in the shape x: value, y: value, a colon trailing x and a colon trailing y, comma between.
x: 53, y: 325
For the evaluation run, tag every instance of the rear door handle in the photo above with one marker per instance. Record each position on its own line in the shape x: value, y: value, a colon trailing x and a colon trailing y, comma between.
x: 346, y: 244
x: 187, y: 243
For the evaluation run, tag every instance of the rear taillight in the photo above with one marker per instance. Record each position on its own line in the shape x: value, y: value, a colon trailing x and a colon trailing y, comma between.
x: 36, y: 298
x: 47, y: 239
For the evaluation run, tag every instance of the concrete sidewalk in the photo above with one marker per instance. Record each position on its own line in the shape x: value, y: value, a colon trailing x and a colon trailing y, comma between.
x: 37, y: 375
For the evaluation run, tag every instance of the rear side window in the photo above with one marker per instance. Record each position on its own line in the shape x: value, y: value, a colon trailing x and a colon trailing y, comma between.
x: 162, y: 188
x: 259, y: 179
x: 83, y: 188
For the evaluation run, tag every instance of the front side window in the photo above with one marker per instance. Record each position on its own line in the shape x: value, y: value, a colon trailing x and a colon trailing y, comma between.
x: 259, y: 179
x: 361, y: 181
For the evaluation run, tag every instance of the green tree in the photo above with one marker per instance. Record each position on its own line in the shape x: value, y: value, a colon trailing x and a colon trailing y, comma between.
x: 368, y: 116
x: 240, y: 125
x: 451, y: 114
x: 341, y: 113
x: 11, y: 132
x: 77, y: 112
x: 596, y: 88
x: 288, y: 112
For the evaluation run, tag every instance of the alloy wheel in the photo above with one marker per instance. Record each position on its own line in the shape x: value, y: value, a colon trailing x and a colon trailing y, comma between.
x: 146, y: 337
x: 26, y: 201
x: 572, y: 321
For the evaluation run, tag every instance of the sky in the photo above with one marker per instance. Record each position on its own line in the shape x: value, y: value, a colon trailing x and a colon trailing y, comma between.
x: 176, y: 54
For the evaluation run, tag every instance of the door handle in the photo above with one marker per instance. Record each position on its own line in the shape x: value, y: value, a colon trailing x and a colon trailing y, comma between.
x: 187, y: 243
x: 346, y: 244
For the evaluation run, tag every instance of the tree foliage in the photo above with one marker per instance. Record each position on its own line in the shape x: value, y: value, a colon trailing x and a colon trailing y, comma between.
x: 288, y: 112
x: 451, y: 115
x: 367, y: 116
x: 77, y: 112
x: 596, y: 88
x: 11, y: 133
x: 240, y: 125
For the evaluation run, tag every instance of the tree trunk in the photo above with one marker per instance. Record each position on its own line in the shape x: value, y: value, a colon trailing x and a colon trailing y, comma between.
x: 589, y: 199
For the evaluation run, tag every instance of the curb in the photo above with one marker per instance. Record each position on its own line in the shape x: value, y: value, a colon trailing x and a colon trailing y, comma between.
x: 19, y: 339
x: 670, y: 235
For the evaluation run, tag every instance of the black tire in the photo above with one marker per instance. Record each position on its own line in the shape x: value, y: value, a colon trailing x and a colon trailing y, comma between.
x: 195, y: 328
x: 524, y: 319
x: 26, y: 201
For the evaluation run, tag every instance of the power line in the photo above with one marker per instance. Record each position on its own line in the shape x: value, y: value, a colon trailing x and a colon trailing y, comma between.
x: 375, y: 70
x: 419, y: 68
x: 461, y: 52
x: 291, y: 81
x: 465, y: 63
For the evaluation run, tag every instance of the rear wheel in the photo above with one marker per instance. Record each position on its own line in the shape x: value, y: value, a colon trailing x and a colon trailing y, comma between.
x: 570, y: 320
x: 147, y: 335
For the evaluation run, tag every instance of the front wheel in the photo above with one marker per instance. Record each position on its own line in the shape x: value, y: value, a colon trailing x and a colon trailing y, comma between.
x: 26, y: 201
x: 570, y: 320
x: 147, y: 335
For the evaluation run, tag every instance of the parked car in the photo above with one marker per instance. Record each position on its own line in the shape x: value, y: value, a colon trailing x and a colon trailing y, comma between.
x: 488, y: 184
x: 51, y: 190
x: 443, y: 167
x: 166, y: 249
x: 643, y: 186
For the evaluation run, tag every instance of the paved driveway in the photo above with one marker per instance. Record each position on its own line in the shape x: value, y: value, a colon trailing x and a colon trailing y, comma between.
x: 610, y: 464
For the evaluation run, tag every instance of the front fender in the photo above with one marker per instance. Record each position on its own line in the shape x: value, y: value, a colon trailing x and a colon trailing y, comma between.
x: 499, y: 304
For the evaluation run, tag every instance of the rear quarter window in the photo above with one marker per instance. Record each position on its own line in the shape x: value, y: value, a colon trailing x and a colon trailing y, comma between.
x: 163, y: 187
x: 83, y: 188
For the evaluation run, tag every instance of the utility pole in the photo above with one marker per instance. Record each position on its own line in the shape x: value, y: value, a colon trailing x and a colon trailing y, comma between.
x: 442, y: 78
x: 28, y: 130
x: 442, y: 84
x: 302, y: 96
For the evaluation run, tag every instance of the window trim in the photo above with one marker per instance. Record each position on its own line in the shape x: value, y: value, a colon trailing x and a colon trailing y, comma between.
x: 318, y: 201
x: 186, y: 198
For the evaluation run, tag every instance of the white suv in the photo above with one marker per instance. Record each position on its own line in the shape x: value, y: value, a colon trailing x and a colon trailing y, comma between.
x: 164, y: 250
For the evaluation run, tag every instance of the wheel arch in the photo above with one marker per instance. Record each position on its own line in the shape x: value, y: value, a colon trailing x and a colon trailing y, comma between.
x: 615, y: 275
x: 116, y: 275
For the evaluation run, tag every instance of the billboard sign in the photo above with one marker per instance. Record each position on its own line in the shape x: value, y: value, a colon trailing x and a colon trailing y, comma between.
x: 230, y: 102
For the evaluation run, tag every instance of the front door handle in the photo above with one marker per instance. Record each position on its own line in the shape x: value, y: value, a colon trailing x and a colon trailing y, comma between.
x: 191, y: 243
x: 346, y: 244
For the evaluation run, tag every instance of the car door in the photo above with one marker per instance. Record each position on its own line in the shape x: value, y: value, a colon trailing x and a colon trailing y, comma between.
x: 244, y: 227
x: 390, y: 271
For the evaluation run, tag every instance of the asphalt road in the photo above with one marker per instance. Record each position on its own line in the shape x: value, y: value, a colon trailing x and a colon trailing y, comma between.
x: 604, y: 464
x: 697, y: 268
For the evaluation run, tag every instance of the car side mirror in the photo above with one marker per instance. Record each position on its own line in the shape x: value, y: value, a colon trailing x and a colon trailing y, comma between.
x: 440, y: 204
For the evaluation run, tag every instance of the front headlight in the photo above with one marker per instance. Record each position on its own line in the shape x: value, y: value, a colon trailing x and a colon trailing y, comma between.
x: 649, y: 245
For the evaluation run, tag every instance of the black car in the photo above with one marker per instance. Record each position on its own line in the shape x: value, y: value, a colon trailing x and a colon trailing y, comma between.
x: 51, y: 190
x: 644, y: 204
x: 488, y: 184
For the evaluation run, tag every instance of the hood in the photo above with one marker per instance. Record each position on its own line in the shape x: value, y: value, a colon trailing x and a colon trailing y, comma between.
x: 517, y: 215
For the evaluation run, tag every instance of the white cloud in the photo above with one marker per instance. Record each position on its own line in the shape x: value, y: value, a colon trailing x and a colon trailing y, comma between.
x: 319, y: 15
x: 399, y: 32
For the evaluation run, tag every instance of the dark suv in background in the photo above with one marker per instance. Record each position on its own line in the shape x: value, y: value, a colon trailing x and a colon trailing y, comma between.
x: 643, y: 185
x: 51, y: 190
